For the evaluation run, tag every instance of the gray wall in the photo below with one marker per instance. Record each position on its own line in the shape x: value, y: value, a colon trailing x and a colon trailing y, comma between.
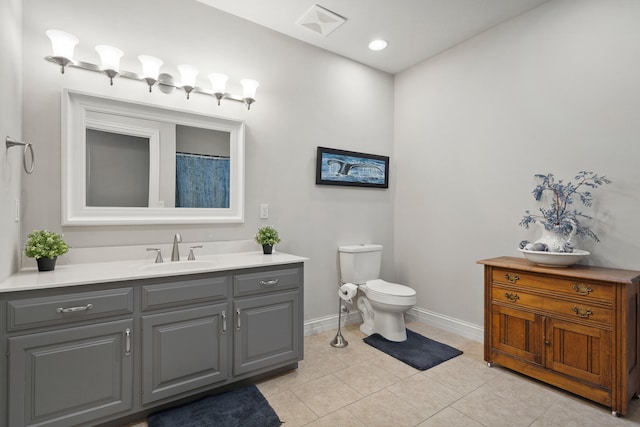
x: 555, y: 90
x: 307, y: 97
x: 11, y: 172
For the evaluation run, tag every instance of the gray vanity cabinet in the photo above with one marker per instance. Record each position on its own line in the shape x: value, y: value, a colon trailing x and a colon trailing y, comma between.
x: 76, y: 372
x: 184, y: 347
x: 112, y: 352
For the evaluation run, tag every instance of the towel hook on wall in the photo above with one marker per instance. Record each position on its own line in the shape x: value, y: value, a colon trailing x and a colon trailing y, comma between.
x: 10, y: 142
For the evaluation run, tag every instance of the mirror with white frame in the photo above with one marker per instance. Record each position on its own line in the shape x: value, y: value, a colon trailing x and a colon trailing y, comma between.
x: 134, y: 163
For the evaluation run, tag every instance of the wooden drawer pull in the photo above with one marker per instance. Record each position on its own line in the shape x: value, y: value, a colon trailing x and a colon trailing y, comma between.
x: 511, y: 297
x: 582, y: 289
x: 511, y: 278
x: 582, y: 312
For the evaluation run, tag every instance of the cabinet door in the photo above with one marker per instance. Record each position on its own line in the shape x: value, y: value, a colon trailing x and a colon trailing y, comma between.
x: 183, y: 350
x: 517, y: 333
x: 70, y: 376
x: 267, y: 331
x: 580, y: 351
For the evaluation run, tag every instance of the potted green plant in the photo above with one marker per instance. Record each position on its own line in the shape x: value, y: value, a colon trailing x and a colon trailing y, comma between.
x: 558, y: 217
x: 267, y: 236
x: 45, y: 246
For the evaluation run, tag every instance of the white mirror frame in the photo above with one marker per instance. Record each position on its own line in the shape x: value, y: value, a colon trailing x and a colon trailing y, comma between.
x: 75, y: 211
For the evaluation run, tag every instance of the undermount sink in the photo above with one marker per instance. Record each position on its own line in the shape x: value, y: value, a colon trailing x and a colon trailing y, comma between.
x: 178, y: 266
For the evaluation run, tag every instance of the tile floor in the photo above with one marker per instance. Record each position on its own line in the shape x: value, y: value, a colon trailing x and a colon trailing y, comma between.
x: 361, y: 386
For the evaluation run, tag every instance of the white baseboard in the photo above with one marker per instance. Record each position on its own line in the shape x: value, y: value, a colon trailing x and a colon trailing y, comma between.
x: 457, y: 326
x: 328, y: 323
x: 441, y: 321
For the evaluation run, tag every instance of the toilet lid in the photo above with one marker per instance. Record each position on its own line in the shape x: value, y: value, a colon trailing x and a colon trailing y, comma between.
x: 382, y: 287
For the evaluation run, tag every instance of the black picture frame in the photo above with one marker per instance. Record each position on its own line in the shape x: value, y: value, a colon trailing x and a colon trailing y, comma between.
x: 351, y: 169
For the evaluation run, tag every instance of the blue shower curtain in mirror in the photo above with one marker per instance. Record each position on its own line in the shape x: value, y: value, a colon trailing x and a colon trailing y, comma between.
x: 202, y: 181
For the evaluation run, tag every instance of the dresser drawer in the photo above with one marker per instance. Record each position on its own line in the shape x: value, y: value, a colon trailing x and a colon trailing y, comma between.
x: 266, y: 281
x: 516, y: 298
x: 68, y: 308
x: 568, y: 287
x: 572, y: 310
x: 182, y: 292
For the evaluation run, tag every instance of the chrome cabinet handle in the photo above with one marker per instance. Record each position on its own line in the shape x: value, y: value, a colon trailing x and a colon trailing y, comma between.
x: 127, y: 342
x: 269, y: 283
x: 74, y: 309
x: 238, y: 319
x: 224, y: 322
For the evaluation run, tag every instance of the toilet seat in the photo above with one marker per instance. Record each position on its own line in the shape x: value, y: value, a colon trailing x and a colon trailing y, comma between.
x: 390, y: 293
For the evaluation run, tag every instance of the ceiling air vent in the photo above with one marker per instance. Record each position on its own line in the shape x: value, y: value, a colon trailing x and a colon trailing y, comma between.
x: 321, y: 21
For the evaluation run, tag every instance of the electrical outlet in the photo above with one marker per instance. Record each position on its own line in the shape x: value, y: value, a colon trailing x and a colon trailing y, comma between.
x: 264, y: 211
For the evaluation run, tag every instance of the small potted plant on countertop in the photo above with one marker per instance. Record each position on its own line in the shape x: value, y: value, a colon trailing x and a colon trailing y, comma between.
x: 45, y: 246
x: 267, y: 236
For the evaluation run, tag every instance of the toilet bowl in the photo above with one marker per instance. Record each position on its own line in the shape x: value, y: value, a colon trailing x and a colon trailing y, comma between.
x: 383, y: 305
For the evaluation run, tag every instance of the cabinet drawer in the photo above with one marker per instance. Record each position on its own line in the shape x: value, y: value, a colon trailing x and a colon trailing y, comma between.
x: 515, y: 297
x: 44, y: 311
x: 578, y: 311
x: 568, y: 287
x: 184, y: 292
x: 266, y: 281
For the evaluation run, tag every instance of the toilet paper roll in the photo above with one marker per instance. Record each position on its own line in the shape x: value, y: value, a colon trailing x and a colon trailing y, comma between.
x: 347, y: 292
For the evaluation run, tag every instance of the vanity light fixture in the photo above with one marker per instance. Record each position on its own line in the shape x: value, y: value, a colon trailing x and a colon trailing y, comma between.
x: 188, y: 76
x: 63, y: 45
x: 218, y: 85
x: 249, y: 91
x: 110, y: 57
x: 150, y: 69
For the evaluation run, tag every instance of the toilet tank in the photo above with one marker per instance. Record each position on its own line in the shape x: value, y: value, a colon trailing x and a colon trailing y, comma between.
x: 359, y: 263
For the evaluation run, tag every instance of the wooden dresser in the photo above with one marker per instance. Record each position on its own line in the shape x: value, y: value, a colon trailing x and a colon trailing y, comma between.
x: 573, y: 327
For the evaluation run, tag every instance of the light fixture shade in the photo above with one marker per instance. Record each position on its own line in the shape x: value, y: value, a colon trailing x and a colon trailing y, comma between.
x: 249, y: 88
x: 150, y: 66
x: 218, y: 82
x: 188, y: 75
x: 110, y: 57
x: 62, y: 43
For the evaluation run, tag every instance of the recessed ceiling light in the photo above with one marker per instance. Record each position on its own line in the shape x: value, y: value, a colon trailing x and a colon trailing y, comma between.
x: 378, y: 45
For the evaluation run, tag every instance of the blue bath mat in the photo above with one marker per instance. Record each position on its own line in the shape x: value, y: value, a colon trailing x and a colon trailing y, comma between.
x: 245, y: 407
x: 420, y: 352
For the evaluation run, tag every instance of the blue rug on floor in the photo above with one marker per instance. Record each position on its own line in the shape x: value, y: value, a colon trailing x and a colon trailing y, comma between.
x: 244, y: 407
x: 420, y: 352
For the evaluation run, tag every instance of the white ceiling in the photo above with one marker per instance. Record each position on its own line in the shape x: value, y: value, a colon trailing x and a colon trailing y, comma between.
x: 415, y: 29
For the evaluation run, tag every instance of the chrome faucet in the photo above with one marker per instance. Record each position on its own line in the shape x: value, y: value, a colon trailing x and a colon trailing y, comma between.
x: 175, y: 254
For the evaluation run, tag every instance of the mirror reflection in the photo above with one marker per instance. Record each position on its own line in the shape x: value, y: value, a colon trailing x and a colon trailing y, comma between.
x: 138, y: 163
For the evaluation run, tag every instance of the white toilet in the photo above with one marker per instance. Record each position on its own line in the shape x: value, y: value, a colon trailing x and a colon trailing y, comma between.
x: 381, y: 303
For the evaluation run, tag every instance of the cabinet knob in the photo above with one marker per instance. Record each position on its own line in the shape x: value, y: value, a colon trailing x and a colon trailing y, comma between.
x: 547, y: 342
x: 511, y: 296
x: 511, y: 278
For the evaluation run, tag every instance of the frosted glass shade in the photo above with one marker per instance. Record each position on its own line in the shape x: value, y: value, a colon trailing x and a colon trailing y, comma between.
x: 62, y: 43
x: 249, y: 88
x: 218, y: 82
x: 150, y: 66
x: 188, y: 75
x: 110, y: 57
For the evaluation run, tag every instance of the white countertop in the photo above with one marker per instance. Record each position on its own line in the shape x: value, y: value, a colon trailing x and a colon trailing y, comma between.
x: 117, y: 271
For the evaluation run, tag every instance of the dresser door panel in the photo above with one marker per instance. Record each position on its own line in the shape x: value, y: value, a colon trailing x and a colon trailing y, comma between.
x: 580, y: 351
x: 517, y: 333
